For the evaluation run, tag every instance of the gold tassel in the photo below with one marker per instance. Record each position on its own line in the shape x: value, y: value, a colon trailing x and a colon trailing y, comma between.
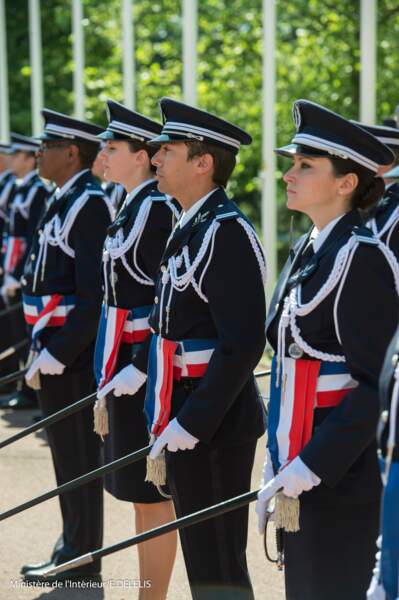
x: 33, y: 382
x: 286, y: 513
x: 100, y: 413
x: 156, y: 468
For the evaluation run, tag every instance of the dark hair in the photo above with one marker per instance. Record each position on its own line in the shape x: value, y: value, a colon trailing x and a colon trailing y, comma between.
x: 136, y: 146
x: 224, y: 161
x: 87, y: 152
x: 370, y: 187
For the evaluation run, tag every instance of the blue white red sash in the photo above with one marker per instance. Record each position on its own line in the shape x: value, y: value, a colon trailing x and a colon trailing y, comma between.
x: 307, y: 384
x: 14, y: 252
x: 117, y: 326
x: 170, y: 360
x: 46, y: 311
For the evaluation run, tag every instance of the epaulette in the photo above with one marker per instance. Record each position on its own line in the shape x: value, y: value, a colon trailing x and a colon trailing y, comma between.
x: 226, y: 212
x: 365, y: 235
x: 157, y: 196
x: 94, y: 189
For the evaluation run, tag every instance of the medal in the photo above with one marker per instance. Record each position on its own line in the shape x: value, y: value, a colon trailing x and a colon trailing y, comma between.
x: 295, y: 351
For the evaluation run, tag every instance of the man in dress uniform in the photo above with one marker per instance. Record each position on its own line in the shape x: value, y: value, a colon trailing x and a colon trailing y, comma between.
x: 207, y: 337
x: 62, y: 298
x: 25, y: 209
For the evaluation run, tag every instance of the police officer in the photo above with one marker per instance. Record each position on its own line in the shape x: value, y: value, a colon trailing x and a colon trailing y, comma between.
x: 26, y: 207
x: 62, y: 300
x: 7, y: 189
x: 385, y: 581
x: 331, y: 318
x: 208, y: 335
x: 132, y: 253
x: 383, y: 219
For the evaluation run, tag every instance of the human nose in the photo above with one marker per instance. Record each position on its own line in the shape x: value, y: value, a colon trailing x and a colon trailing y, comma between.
x: 289, y: 175
x: 156, y: 159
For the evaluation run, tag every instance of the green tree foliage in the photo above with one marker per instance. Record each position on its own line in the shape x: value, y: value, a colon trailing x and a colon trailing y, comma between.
x: 317, y: 58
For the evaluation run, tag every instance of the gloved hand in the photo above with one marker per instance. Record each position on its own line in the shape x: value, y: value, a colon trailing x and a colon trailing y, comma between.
x: 294, y: 479
x: 263, y: 507
x: 128, y: 381
x: 174, y: 437
x: 376, y: 590
x: 9, y: 287
x: 46, y: 364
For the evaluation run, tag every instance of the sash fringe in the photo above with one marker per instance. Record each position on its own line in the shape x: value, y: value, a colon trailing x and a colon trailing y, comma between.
x: 101, y: 422
x: 286, y: 513
x: 156, y: 468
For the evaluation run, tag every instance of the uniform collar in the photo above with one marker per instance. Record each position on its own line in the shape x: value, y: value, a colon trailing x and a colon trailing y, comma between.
x: 131, y: 195
x: 61, y: 191
x: 319, y: 237
x: 192, y: 211
x: 27, y: 178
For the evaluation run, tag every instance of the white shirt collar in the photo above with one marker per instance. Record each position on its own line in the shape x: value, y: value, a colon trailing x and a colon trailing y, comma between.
x: 27, y: 177
x: 187, y: 216
x: 4, y: 174
x: 61, y: 191
x: 319, y: 237
x: 136, y: 190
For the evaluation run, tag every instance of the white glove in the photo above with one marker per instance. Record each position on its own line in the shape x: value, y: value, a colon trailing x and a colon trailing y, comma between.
x: 294, y: 479
x: 376, y: 590
x: 128, y: 381
x: 10, y: 286
x: 46, y: 364
x: 262, y: 507
x: 174, y: 437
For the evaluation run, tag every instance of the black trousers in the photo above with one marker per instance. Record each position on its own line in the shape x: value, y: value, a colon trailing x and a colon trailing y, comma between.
x: 75, y: 450
x: 215, y: 550
x: 333, y: 554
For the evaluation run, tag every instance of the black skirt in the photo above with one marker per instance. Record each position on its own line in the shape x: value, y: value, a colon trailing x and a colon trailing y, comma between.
x: 333, y: 554
x: 128, y: 432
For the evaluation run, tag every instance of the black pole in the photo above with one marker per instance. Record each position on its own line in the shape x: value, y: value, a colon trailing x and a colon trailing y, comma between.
x: 12, y: 377
x: 71, y: 485
x: 54, y: 418
x: 198, y: 517
x: 13, y: 349
x: 10, y: 309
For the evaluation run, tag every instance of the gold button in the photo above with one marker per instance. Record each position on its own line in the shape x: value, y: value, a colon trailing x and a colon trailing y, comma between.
x: 156, y: 299
x: 32, y: 256
x: 163, y: 268
x: 395, y: 359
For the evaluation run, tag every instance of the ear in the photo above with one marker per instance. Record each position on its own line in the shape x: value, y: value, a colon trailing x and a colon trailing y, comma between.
x: 347, y: 184
x: 73, y: 153
x: 142, y: 158
x: 204, y: 163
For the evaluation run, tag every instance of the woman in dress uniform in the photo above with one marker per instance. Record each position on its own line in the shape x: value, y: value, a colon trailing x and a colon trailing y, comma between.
x: 385, y: 582
x: 132, y: 252
x: 331, y: 319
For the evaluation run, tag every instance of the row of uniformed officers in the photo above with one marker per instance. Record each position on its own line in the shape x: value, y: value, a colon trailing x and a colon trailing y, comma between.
x: 170, y: 308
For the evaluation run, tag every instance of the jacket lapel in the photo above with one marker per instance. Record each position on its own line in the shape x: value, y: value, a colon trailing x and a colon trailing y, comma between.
x: 181, y: 235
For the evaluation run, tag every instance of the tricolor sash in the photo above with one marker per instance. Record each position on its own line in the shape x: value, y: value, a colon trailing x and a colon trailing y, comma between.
x: 46, y: 311
x: 304, y: 385
x: 168, y: 361
x: 14, y: 252
x: 117, y: 326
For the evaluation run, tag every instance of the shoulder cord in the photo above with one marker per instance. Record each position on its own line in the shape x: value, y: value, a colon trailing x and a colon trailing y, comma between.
x: 173, y: 208
x: 56, y: 234
x: 389, y: 225
x: 22, y: 204
x: 5, y: 193
x: 116, y: 247
x: 256, y: 246
x: 293, y: 307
